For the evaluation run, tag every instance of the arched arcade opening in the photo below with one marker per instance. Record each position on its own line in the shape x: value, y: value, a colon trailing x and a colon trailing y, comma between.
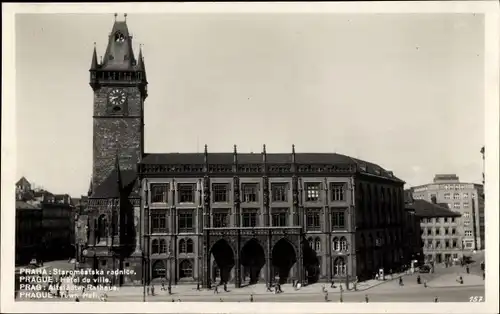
x: 224, y: 261
x: 252, y: 260
x: 283, y: 258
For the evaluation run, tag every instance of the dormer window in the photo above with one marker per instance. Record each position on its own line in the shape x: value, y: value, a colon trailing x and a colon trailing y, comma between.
x: 119, y: 38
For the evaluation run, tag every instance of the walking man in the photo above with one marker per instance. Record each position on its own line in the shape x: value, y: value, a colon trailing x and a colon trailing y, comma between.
x: 251, y: 297
x: 366, y: 298
x: 216, y: 289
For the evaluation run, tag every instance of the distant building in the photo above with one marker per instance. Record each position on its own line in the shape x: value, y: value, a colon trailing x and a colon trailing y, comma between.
x: 53, y: 216
x: 438, y: 230
x: 462, y: 198
x: 28, y: 232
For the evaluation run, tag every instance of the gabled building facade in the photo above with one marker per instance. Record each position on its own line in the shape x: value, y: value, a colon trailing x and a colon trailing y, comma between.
x: 227, y: 217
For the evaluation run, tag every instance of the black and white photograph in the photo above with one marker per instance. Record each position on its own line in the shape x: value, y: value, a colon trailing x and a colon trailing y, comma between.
x: 220, y: 156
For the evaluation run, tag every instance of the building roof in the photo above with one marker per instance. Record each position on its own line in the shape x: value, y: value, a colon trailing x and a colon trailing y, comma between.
x: 23, y: 181
x: 425, y: 209
x: 270, y: 158
x: 22, y: 205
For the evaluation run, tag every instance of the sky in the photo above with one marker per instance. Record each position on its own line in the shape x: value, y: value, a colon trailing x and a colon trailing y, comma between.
x: 405, y: 91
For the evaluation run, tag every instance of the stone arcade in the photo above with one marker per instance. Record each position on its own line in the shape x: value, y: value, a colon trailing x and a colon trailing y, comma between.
x: 227, y: 217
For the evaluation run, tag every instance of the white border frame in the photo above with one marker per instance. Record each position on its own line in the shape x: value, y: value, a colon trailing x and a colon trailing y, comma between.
x: 489, y: 8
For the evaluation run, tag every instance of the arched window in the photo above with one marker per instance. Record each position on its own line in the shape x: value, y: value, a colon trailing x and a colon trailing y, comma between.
x: 102, y: 228
x: 343, y: 244
x: 336, y: 244
x: 182, y: 246
x: 155, y: 248
x: 159, y: 270
x: 163, y: 246
x: 317, y: 245
x: 339, y: 267
x: 186, y: 269
x: 311, y: 242
x: 190, y: 246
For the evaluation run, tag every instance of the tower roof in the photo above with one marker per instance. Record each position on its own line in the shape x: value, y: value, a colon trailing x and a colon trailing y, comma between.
x: 119, y: 53
x: 94, y: 65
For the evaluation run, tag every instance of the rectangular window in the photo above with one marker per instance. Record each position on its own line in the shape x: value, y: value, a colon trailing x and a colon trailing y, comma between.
x: 456, y: 196
x: 337, y: 192
x: 158, y: 222
x: 338, y: 219
x: 249, y: 218
x: 452, y: 219
x: 466, y: 204
x: 186, y: 221
x: 438, y: 231
x: 447, y: 196
x: 466, y: 215
x: 454, y: 244
x: 313, y: 192
x: 313, y: 220
x: 280, y: 218
x: 466, y: 222
x: 429, y: 232
x: 159, y: 193
x: 446, y: 231
x: 455, y: 255
x: 468, y: 233
x: 279, y: 192
x: 220, y: 192
x: 221, y: 219
x: 429, y: 244
x: 186, y: 192
x: 456, y: 205
x: 438, y: 244
x: 465, y: 195
x: 250, y: 192
x: 453, y: 231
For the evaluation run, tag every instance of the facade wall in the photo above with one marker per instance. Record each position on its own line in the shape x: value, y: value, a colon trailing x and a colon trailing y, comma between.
x: 380, y: 217
x: 120, y: 132
x: 385, y: 234
x: 28, y: 234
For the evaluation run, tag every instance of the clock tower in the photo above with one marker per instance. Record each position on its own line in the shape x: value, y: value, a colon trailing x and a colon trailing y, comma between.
x: 120, y: 88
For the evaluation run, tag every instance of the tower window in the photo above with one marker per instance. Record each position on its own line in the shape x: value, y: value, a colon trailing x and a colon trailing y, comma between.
x: 119, y: 37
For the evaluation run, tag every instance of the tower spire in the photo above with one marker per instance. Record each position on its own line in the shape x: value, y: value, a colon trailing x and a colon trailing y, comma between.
x: 93, y: 65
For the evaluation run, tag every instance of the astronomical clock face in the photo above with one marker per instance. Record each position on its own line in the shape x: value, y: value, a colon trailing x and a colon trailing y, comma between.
x: 117, y: 97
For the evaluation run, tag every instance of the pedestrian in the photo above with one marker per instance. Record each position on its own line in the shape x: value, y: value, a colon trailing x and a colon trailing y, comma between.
x: 173, y: 300
x: 169, y: 288
x: 323, y: 289
x: 483, y: 275
x: 467, y: 269
x: 147, y: 289
x: 333, y: 284
x: 436, y: 299
x: 425, y: 283
x: 77, y: 299
x: 225, y: 286
x: 366, y: 298
x: 163, y: 285
x: 251, y: 297
x: 418, y: 279
x: 461, y: 280
x: 198, y: 286
x: 269, y: 288
x: 216, y: 289
x: 326, y: 296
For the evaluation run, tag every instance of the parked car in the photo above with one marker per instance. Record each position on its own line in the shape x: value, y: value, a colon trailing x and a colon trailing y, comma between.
x: 424, y: 269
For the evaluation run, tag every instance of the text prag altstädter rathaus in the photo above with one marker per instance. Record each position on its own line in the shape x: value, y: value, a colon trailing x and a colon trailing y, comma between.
x: 235, y: 217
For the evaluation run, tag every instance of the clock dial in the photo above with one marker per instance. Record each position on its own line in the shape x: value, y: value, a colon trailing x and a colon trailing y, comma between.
x: 117, y: 97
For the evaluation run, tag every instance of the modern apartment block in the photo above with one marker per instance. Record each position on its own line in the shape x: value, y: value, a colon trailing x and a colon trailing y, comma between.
x: 463, y: 198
